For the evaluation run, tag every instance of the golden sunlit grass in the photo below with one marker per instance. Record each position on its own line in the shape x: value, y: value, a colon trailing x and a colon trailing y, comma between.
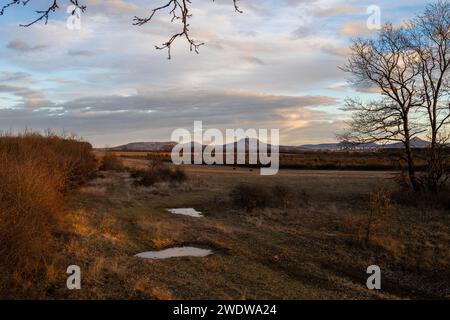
x: 111, y: 162
x: 305, y: 242
x: 35, y: 172
x: 301, y: 247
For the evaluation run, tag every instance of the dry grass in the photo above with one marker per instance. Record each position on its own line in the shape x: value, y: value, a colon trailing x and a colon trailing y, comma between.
x: 296, y: 247
x: 253, y: 196
x: 111, y: 162
x: 30, y: 208
x: 374, y: 225
x: 384, y: 159
x: 158, y: 172
x: 35, y: 174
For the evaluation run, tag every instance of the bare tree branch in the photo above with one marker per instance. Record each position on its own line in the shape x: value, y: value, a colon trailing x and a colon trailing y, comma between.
x: 179, y: 10
x: 43, y: 15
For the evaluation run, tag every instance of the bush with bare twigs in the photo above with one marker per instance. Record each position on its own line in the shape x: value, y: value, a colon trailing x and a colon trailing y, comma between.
x: 253, y: 196
x: 111, y: 162
x: 380, y: 213
x: 35, y: 173
x: 158, y: 172
x: 249, y: 196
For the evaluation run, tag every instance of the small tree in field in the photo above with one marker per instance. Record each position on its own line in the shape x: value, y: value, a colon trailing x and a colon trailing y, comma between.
x: 386, y: 64
x: 430, y: 41
x: 381, y: 209
x: 410, y: 67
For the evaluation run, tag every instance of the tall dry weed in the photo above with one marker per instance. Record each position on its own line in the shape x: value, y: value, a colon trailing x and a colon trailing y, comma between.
x: 36, y: 172
x: 373, y: 226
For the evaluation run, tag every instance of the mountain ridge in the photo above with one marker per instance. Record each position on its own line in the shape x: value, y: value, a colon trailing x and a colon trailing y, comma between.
x: 416, y: 142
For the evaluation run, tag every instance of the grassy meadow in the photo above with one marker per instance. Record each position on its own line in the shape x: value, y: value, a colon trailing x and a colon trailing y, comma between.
x: 302, y: 234
x: 381, y: 160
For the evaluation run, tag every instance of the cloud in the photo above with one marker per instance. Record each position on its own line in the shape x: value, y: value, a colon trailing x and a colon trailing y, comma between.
x: 82, y: 53
x: 362, y: 88
x: 108, y: 83
x: 112, y: 6
x: 201, y: 103
x: 18, y: 84
x: 16, y: 77
x: 254, y: 60
x: 336, y: 51
x: 22, y: 46
x: 356, y: 29
x: 158, y: 113
x: 304, y: 31
x: 337, y: 10
x: 30, y: 98
x: 61, y: 80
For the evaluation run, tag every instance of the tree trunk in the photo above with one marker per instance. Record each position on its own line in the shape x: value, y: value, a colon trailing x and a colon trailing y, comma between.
x: 411, y: 170
x: 434, y: 165
x: 409, y: 158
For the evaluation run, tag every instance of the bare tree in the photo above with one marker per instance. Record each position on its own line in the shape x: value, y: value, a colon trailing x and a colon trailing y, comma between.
x: 386, y: 64
x: 179, y: 10
x: 430, y: 39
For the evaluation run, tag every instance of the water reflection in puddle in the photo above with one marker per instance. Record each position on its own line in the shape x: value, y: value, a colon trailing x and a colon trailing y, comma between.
x: 186, y: 212
x: 175, y: 252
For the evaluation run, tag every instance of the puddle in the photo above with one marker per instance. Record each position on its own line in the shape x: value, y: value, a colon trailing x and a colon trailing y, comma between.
x: 186, y: 212
x: 175, y: 252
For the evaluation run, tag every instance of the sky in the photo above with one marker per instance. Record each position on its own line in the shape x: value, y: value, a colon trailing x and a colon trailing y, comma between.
x: 274, y: 66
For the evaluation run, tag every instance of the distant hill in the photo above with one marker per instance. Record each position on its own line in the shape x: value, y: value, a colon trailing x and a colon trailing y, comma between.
x: 168, y: 146
x: 337, y: 146
x: 145, y: 146
x: 248, y: 142
x: 416, y: 143
x: 343, y: 145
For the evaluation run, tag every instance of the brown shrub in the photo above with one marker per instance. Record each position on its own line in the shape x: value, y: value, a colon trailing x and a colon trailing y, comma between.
x: 68, y: 155
x: 35, y: 172
x: 281, y: 196
x: 252, y: 196
x: 111, y: 162
x: 249, y: 196
x: 30, y: 205
x: 158, y: 172
x: 143, y: 178
x: 423, y: 200
x: 381, y: 211
x: 178, y: 175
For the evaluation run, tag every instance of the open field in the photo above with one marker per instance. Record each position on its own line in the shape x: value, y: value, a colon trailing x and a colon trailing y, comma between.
x: 381, y: 160
x: 308, y: 249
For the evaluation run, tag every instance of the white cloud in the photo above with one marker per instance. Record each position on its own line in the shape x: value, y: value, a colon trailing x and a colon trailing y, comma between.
x: 288, y: 51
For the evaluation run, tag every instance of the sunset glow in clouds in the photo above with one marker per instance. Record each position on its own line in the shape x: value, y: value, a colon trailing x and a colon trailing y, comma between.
x: 273, y: 66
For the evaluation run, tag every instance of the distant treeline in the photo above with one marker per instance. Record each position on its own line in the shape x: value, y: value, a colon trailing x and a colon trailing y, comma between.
x: 382, y: 159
